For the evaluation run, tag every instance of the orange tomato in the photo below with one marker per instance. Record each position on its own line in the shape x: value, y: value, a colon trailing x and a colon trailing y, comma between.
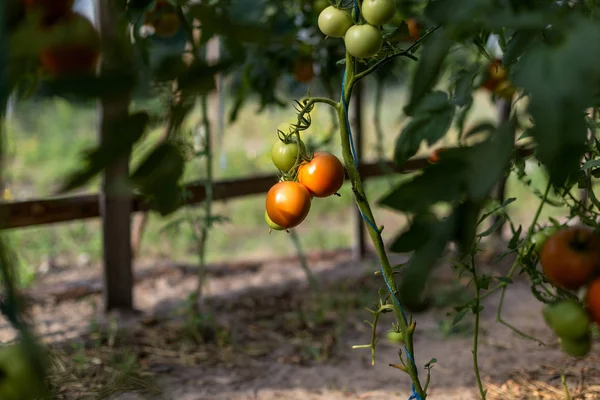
x: 413, y: 28
x: 323, y: 175
x: 571, y: 256
x: 303, y: 70
x: 78, y: 52
x: 592, y: 300
x: 288, y: 204
x: 496, y: 74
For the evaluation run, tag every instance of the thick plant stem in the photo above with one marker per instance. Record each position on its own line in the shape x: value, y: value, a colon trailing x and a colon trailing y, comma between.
x: 482, y: 392
x: 365, y: 208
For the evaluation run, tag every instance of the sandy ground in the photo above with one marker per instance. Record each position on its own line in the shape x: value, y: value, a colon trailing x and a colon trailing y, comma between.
x: 258, y: 306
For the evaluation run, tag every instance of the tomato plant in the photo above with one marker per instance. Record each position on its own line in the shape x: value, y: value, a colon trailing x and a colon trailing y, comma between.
x: 164, y: 19
x: 363, y: 41
x: 571, y: 256
x: 288, y: 204
x: 272, y: 225
x: 592, y: 300
x: 334, y: 22
x: 577, y: 348
x: 323, y: 175
x: 284, y: 155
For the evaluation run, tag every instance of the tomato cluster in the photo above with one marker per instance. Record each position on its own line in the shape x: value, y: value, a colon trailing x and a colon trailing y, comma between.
x: 570, y: 260
x: 73, y: 44
x: 303, y: 177
x: 361, y: 40
x: 496, y: 81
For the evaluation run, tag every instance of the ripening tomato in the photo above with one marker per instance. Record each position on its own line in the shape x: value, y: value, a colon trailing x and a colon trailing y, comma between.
x: 288, y: 204
x: 51, y: 10
x: 378, y: 12
x: 272, y: 224
x: 505, y: 90
x: 571, y: 256
x: 495, y: 74
x: 303, y: 70
x: 414, y: 28
x: 540, y: 237
x: 592, y: 300
x: 577, y: 348
x: 76, y: 49
x: 323, y: 175
x: 284, y: 155
x: 363, y: 41
x: 164, y: 19
x: 334, y: 22
x: 568, y: 319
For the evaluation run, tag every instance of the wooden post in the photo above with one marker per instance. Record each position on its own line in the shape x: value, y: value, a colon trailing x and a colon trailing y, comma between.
x: 114, y: 201
x: 359, y: 249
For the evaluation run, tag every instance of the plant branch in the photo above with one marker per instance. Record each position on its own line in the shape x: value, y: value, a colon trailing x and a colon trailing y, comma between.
x: 374, y: 233
x: 403, y: 53
x: 476, y: 330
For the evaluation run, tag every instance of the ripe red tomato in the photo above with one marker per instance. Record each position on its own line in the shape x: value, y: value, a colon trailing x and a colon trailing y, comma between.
x: 334, y: 22
x: 592, y: 300
x: 288, y: 204
x: 363, y: 41
x: 571, y: 256
x: 77, y: 51
x: 51, y: 9
x: 323, y: 175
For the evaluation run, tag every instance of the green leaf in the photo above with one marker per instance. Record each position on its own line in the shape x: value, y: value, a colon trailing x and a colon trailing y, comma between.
x: 561, y: 81
x: 432, y: 120
x: 489, y: 161
x: 437, y: 183
x: 123, y: 134
x: 591, y: 164
x: 459, y: 316
x: 517, y: 45
x: 163, y: 166
x: 433, y: 54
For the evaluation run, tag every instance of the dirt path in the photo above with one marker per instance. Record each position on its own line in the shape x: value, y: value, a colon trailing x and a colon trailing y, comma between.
x: 270, y: 354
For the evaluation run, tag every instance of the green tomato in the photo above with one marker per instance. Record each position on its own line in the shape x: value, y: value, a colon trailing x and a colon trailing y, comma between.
x: 577, y: 348
x: 568, y: 319
x: 284, y: 155
x: 395, y: 337
x: 378, y: 12
x: 540, y: 237
x: 18, y: 380
x: 320, y: 5
x: 363, y: 41
x: 334, y: 22
x: 272, y: 224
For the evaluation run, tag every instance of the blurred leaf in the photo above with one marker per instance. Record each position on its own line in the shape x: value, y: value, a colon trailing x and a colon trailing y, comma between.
x: 435, y: 50
x: 463, y: 88
x: 466, y: 215
x: 432, y: 120
x: 417, y: 235
x: 561, y: 81
x: 124, y: 133
x: 163, y: 166
x: 107, y: 85
x: 457, y: 12
x: 418, y: 269
x: 517, y: 45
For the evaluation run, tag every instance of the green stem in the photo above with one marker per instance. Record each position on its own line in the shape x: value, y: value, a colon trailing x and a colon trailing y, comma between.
x: 476, y: 331
x: 363, y: 205
x: 563, y: 381
x: 207, y: 201
x: 312, y: 281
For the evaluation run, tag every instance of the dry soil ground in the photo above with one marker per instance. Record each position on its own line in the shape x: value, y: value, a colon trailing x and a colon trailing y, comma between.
x: 271, y: 344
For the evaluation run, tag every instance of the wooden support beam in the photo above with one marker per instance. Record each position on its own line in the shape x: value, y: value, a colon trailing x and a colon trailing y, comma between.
x: 114, y: 201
